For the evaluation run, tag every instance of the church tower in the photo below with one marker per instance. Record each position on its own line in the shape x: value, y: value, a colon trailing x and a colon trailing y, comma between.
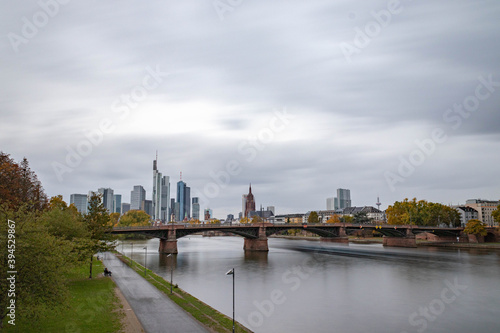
x: 250, y: 203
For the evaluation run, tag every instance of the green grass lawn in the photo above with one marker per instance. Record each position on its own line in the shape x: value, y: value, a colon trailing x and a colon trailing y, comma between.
x: 93, y: 307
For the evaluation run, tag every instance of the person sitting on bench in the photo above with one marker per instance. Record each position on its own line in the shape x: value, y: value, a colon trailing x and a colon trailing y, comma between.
x: 106, y: 272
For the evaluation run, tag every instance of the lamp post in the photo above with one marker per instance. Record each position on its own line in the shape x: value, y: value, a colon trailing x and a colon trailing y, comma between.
x: 171, y: 272
x: 145, y: 259
x: 231, y: 272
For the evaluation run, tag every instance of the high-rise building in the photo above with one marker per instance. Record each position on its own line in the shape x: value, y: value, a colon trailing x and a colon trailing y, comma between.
x: 271, y: 209
x: 107, y: 198
x: 125, y: 207
x: 330, y: 203
x: 117, y: 203
x: 184, y: 201
x: 172, y: 211
x: 343, y: 198
x: 196, y: 208
x: 156, y: 197
x: 161, y: 194
x: 147, y: 206
x: 250, y: 202
x: 137, y: 196
x: 243, y: 204
x: 80, y: 202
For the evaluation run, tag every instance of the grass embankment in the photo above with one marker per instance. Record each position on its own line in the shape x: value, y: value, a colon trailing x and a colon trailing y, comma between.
x: 202, y: 312
x: 92, y: 306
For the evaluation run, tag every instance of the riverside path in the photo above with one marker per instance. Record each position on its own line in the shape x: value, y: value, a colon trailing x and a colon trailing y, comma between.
x: 155, y: 311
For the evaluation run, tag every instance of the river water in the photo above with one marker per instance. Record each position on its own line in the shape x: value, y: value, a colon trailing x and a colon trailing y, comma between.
x: 310, y: 286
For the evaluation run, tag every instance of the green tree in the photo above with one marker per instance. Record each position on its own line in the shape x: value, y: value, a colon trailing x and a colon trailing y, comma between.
x: 98, y: 225
x: 475, y: 227
x: 422, y: 213
x: 361, y: 218
x: 313, y: 217
x: 135, y: 218
x: 346, y: 219
x: 496, y: 214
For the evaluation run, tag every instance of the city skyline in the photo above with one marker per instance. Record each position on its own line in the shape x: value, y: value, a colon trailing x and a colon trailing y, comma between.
x: 298, y: 98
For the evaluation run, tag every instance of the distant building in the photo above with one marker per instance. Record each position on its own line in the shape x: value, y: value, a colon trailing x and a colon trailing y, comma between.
x: 184, y: 201
x: 117, y: 203
x: 196, y: 208
x: 107, y: 198
x: 330, y: 203
x: 147, y: 206
x: 484, y: 209
x: 208, y: 214
x: 80, y: 201
x: 289, y: 218
x: 243, y: 205
x: 271, y: 209
x: 371, y: 212
x: 343, y: 199
x: 137, y: 196
x: 125, y: 207
x: 466, y: 214
x: 230, y: 218
x: 161, y: 194
x: 249, y: 202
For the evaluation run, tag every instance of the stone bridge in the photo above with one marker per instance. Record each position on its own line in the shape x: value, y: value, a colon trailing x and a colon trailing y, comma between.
x: 255, y: 235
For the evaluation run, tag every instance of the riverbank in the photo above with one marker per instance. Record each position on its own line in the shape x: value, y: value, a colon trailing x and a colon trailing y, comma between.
x: 423, y: 243
x: 93, y: 306
x: 214, y: 320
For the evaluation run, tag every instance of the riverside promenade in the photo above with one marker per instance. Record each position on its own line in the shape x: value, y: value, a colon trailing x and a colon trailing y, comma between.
x: 155, y: 311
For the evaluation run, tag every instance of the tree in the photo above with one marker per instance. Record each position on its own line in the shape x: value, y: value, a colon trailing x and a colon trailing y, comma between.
x: 346, y: 219
x: 496, y: 214
x: 257, y: 219
x: 333, y: 219
x: 422, y: 213
x: 313, y: 217
x: 98, y: 224
x: 135, y: 218
x: 114, y: 218
x: 361, y: 218
x: 19, y: 185
x: 475, y: 227
x: 245, y: 220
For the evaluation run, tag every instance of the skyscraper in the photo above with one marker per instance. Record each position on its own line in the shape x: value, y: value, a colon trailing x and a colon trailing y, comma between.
x: 107, y: 198
x: 184, y: 201
x: 343, y: 198
x: 80, y: 202
x: 330, y: 203
x: 161, y: 194
x: 196, y: 208
x: 137, y: 196
x: 156, y: 198
x: 165, y: 199
x: 117, y: 203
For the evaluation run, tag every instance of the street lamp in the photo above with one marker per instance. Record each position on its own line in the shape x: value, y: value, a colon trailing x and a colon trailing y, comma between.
x: 231, y: 272
x: 171, y: 272
x: 145, y: 259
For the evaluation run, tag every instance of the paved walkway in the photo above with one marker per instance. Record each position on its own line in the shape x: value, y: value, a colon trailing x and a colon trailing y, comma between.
x: 156, y: 312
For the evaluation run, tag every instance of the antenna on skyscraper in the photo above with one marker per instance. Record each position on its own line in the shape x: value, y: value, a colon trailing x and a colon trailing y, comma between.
x: 181, y: 175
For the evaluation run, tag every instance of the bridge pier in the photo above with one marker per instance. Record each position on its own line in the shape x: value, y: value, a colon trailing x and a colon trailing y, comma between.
x: 257, y: 244
x: 168, y: 245
x: 400, y: 241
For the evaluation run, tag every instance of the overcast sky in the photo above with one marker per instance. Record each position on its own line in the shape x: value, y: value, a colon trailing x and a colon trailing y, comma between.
x: 298, y: 98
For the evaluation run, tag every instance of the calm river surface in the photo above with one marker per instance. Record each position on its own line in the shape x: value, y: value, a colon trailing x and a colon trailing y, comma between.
x: 308, y: 286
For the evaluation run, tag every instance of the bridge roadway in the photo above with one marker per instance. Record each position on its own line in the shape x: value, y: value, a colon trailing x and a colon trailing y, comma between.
x: 255, y: 235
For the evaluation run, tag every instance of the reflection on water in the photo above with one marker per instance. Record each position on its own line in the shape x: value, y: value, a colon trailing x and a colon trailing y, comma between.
x: 308, y: 286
